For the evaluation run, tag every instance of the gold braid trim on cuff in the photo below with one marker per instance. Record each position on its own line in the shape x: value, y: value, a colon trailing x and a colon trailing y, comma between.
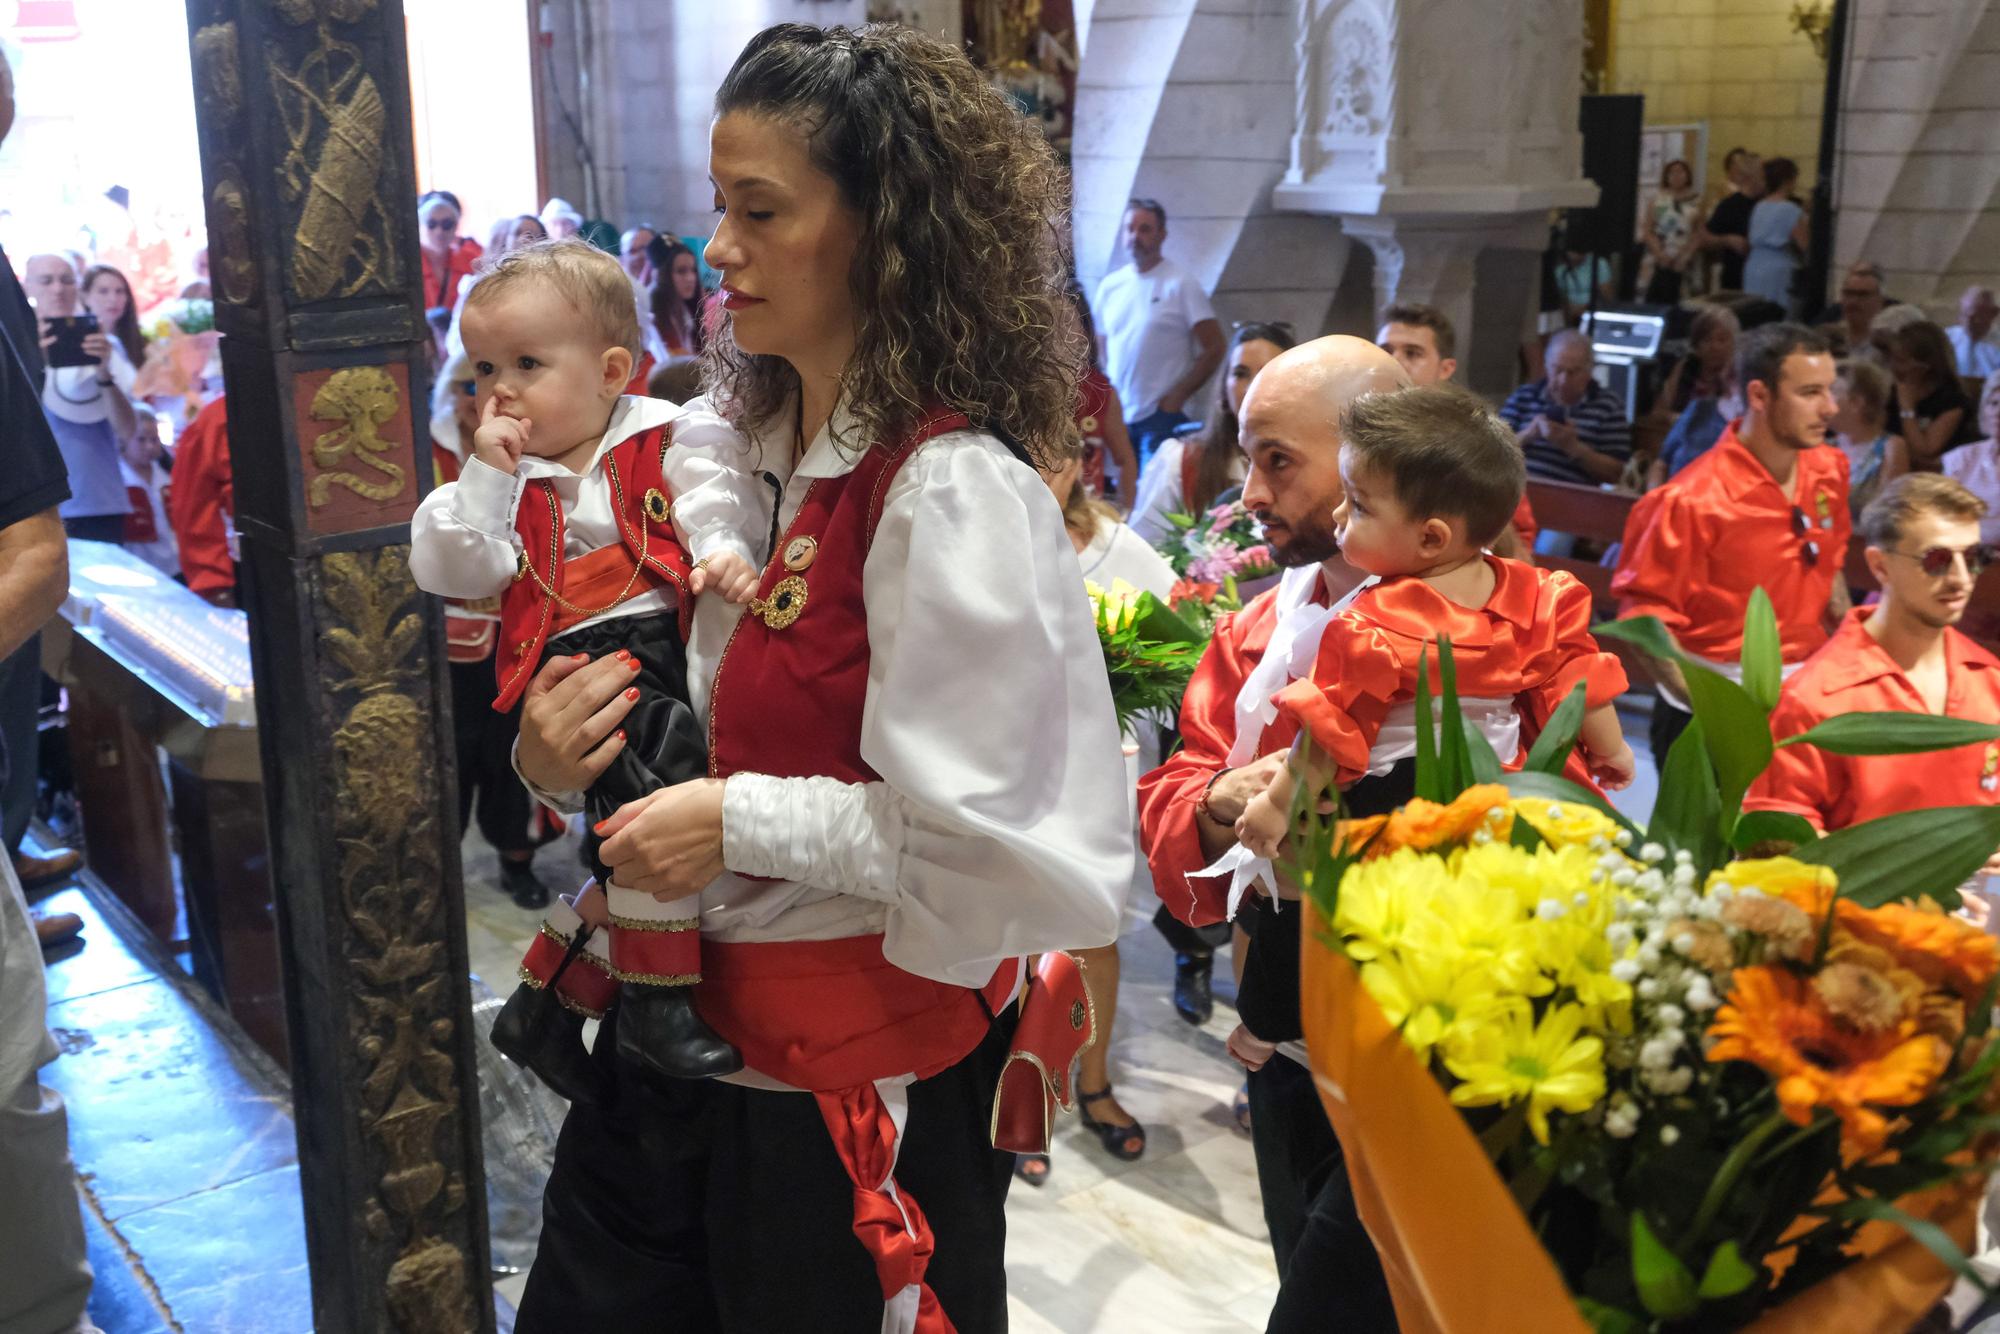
x: 655, y: 924
x: 568, y: 1003
x: 660, y: 979
x: 584, y: 955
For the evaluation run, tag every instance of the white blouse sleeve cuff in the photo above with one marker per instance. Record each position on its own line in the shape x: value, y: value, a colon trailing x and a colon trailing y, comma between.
x: 485, y: 500
x: 818, y: 831
x: 562, y: 803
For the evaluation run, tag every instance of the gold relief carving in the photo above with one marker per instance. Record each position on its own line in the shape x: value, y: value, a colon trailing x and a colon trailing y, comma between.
x: 334, y: 123
x: 215, y: 68
x: 391, y: 897
x: 233, y: 248
x: 361, y: 398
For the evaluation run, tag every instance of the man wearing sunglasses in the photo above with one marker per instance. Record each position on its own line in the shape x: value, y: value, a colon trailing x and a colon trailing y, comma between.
x: 1900, y: 656
x: 1765, y: 507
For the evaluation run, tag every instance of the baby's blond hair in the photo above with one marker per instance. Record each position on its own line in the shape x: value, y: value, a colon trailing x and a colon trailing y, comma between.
x: 590, y: 281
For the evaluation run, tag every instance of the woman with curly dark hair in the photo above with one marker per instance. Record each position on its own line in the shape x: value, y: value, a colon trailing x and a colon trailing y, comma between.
x: 915, y: 771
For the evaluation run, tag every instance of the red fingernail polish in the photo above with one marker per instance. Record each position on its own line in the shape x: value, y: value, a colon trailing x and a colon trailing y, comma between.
x: 598, y: 828
x: 634, y: 664
x: 621, y: 734
x: 579, y: 657
x: 633, y: 693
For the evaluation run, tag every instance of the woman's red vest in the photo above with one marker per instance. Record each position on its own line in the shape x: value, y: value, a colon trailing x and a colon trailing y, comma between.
x: 787, y: 701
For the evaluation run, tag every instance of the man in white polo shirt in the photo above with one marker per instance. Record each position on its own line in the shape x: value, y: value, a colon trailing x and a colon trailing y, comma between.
x: 1160, y: 338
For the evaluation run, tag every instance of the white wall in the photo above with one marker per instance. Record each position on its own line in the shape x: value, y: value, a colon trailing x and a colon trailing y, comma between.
x: 640, y: 77
x: 1190, y: 102
x: 1918, y: 174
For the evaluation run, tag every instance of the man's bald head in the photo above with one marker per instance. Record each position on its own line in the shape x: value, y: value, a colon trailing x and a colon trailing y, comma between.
x: 1317, y: 380
x: 1291, y: 436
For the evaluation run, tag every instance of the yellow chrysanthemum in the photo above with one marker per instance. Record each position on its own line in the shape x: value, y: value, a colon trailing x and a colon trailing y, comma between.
x: 1510, y: 1058
x: 1532, y: 876
x: 1379, y: 899
x: 1485, y: 922
x: 1564, y: 823
x: 1431, y: 992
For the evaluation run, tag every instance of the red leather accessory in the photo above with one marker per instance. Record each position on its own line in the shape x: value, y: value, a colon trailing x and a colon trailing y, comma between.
x: 1057, y: 1022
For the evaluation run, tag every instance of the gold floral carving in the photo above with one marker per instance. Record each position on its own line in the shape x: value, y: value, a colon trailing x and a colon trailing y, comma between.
x: 334, y: 124
x: 216, y: 80
x: 391, y: 889
x: 361, y: 398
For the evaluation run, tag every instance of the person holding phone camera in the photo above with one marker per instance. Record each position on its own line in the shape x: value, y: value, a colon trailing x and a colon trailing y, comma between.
x: 84, y: 397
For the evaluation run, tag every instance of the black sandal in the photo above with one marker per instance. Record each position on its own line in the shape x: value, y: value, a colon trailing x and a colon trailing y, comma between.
x: 1115, y: 1138
x: 1025, y: 1165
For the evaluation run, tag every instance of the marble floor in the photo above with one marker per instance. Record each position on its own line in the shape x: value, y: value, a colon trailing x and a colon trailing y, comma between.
x: 184, y: 1142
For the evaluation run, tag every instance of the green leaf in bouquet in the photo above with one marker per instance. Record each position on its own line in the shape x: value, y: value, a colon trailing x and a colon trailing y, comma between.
x: 1554, y: 787
x: 1452, y: 759
x: 1666, y: 1286
x: 1558, y: 738
x: 1609, y: 1319
x: 1893, y: 734
x: 1926, y: 1233
x: 1942, y: 1140
x: 1155, y: 620
x: 1736, y: 730
x: 1523, y: 835
x: 1754, y: 827
x: 1429, y: 776
x: 1763, y: 658
x: 1727, y: 1273
x: 1482, y: 765
x: 1911, y: 854
x: 1687, y: 815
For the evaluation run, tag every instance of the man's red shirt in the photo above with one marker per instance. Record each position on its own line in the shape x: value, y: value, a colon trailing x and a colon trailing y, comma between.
x: 1697, y: 547
x: 1854, y: 674
x: 203, y: 492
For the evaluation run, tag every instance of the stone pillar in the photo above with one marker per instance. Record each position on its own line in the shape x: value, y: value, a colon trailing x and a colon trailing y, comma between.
x: 1437, y: 132
x: 303, y: 113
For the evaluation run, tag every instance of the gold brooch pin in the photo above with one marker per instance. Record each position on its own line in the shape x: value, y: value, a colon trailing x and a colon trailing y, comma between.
x: 657, y: 508
x: 520, y: 567
x: 786, y: 603
x: 800, y: 553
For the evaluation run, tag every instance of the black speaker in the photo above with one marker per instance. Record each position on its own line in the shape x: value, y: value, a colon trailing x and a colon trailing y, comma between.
x: 1611, y: 125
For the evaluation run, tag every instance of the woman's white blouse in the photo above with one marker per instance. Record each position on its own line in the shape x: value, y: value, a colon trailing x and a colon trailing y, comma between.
x: 999, y: 826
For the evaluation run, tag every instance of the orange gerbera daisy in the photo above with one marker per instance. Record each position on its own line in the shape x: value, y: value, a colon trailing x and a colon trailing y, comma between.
x: 1773, y: 1020
x: 1943, y: 950
x: 1425, y: 824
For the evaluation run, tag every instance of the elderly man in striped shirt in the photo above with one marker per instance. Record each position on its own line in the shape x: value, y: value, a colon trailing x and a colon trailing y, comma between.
x: 1571, y: 428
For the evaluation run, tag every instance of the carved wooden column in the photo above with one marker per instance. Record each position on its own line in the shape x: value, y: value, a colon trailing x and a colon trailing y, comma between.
x: 303, y: 108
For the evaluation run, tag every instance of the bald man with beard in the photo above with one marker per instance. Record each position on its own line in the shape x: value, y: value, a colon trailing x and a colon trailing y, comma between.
x: 1329, y: 1273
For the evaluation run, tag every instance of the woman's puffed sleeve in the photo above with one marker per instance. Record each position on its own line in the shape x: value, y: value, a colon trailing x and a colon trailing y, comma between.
x: 1568, y: 652
x: 1002, y: 824
x: 720, y: 504
x: 1355, y: 677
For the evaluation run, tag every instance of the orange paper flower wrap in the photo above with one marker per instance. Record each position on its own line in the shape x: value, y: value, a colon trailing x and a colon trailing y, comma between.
x: 1459, y: 1255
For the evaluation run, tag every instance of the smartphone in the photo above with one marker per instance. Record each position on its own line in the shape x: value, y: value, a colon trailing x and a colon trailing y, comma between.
x: 70, y: 331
